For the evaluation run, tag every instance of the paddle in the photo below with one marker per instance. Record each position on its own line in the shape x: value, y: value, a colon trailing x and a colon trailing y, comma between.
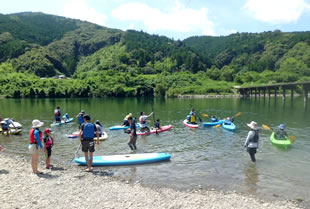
x: 204, y: 115
x: 76, y: 152
x: 238, y: 114
x: 292, y: 138
x: 196, y: 114
x: 154, y: 119
x: 218, y: 125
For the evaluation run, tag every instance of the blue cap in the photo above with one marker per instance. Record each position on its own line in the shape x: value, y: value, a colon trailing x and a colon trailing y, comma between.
x: 281, y: 126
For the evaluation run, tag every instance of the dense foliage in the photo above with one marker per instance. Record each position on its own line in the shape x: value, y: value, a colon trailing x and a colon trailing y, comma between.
x: 35, y: 48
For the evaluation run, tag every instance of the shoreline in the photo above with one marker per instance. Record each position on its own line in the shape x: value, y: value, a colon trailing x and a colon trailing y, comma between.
x: 67, y: 186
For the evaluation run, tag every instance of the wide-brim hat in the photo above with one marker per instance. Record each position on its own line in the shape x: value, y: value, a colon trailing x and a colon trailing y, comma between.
x: 253, y: 125
x: 129, y: 115
x: 37, y: 124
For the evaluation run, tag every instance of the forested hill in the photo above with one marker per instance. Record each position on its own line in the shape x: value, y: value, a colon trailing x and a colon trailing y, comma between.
x: 110, y: 62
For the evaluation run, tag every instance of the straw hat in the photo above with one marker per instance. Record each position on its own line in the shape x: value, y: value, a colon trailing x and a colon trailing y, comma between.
x: 129, y: 115
x: 253, y: 125
x: 37, y: 124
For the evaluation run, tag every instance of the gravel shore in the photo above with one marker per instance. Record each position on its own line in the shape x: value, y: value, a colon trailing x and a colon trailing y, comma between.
x: 68, y: 186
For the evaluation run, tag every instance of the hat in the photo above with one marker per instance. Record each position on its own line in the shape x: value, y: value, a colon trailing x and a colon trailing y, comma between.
x: 281, y: 126
x: 47, y: 130
x: 37, y: 124
x: 129, y: 115
x: 253, y: 125
x: 82, y: 111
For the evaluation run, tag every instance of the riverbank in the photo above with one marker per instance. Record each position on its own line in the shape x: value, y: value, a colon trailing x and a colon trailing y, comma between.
x: 67, y: 186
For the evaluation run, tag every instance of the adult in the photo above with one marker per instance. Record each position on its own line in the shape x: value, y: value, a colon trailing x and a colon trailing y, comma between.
x: 57, y: 114
x: 229, y: 120
x: 251, y: 142
x: 192, y: 116
x: 80, y: 117
x: 99, y: 128
x: 214, y: 119
x: 281, y: 133
x: 143, y: 122
x: 5, y: 125
x: 133, y: 134
x: 125, y: 121
x: 87, y: 140
x: 35, y: 137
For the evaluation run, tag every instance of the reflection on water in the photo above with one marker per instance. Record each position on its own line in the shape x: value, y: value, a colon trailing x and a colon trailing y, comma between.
x: 211, y: 157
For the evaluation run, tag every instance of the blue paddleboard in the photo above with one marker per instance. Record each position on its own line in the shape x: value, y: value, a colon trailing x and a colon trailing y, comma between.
x: 62, y: 122
x: 120, y: 127
x: 130, y: 159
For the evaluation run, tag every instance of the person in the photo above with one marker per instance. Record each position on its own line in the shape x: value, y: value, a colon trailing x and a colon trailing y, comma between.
x: 99, y: 128
x: 5, y: 125
x: 281, y: 133
x: 143, y: 122
x: 80, y: 117
x: 57, y: 114
x: 157, y: 124
x: 251, y: 142
x: 48, y: 144
x: 192, y: 116
x: 213, y: 119
x: 133, y: 134
x: 65, y: 117
x: 229, y: 120
x: 125, y: 121
x: 87, y: 140
x: 35, y: 137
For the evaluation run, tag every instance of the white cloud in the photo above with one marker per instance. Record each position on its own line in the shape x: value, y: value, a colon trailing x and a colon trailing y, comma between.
x: 277, y: 11
x: 177, y: 19
x: 78, y: 9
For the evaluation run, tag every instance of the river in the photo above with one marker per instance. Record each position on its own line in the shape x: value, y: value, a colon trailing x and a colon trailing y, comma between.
x: 204, y: 157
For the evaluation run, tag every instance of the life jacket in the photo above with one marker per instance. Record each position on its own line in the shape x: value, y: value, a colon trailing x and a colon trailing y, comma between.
x: 57, y: 112
x: 88, y: 131
x: 213, y: 120
x: 49, y: 142
x: 254, y: 139
x: 32, y: 139
x: 80, y: 118
x: 193, y: 119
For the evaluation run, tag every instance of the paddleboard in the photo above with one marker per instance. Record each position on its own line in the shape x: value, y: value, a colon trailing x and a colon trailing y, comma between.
x: 120, y: 127
x: 153, y: 131
x: 130, y: 159
x: 15, y: 125
x: 77, y: 134
x: 190, y: 125
x: 281, y: 142
x: 212, y: 123
x: 15, y: 131
x: 231, y: 127
x: 62, y: 122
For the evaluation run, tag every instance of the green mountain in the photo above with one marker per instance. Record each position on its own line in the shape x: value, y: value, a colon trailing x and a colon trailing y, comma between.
x: 109, y: 62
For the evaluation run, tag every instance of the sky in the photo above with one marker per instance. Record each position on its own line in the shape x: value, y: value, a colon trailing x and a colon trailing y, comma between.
x: 177, y: 19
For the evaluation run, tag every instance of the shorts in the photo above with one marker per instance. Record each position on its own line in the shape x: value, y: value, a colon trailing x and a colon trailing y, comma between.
x: 88, y: 145
x: 48, y: 152
x: 251, y: 150
x: 33, y: 149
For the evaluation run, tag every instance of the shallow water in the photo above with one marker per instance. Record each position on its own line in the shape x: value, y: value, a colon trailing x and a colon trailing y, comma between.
x: 210, y: 157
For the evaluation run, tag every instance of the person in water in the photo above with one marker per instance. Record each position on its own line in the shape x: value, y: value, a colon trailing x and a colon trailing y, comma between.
x: 143, y: 122
x: 125, y: 121
x: 5, y: 125
x: 99, y: 128
x: 157, y: 124
x: 87, y: 140
x: 281, y: 133
x: 251, y: 142
x: 35, y: 137
x: 48, y: 144
x: 80, y: 118
x: 133, y: 134
x: 213, y: 119
x: 57, y: 114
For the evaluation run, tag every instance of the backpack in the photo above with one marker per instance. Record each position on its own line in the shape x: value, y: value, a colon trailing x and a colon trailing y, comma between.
x: 88, y: 131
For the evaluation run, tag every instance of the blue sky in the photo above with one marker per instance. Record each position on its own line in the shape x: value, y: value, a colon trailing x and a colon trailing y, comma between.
x: 177, y: 19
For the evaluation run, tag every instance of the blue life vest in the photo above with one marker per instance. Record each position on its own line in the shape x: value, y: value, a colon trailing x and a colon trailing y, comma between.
x: 213, y: 120
x: 88, y: 131
x: 80, y: 119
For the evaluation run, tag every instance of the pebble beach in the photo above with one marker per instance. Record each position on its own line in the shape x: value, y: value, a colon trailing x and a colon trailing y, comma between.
x: 69, y: 186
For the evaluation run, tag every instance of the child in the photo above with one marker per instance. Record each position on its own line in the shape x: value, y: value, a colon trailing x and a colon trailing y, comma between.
x: 157, y: 124
x: 281, y: 133
x: 48, y: 144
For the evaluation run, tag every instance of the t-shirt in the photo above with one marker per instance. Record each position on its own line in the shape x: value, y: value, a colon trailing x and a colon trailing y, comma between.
x: 133, y: 128
x: 143, y: 123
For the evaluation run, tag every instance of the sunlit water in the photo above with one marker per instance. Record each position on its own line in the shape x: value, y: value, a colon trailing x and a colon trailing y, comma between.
x: 210, y: 157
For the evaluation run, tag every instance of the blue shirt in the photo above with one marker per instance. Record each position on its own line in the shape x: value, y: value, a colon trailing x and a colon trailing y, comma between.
x: 37, y: 137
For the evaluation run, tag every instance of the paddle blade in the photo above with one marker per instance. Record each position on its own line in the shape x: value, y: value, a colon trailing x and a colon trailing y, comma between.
x: 200, y: 120
x: 266, y: 127
x: 218, y: 125
x: 238, y: 114
x: 292, y: 138
x: 204, y: 115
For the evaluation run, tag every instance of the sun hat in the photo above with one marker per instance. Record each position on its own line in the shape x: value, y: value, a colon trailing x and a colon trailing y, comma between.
x: 129, y: 115
x: 253, y: 125
x: 82, y: 111
x: 282, y: 126
x: 37, y: 124
x: 47, y: 130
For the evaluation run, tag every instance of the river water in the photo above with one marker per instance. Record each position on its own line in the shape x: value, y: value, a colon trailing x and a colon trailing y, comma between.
x: 204, y: 157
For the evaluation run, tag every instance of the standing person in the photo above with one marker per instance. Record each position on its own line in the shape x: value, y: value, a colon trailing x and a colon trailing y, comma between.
x: 80, y: 118
x: 133, y: 134
x: 281, y: 133
x: 48, y: 144
x: 143, y: 122
x: 57, y: 114
x: 192, y: 116
x: 87, y: 140
x: 35, y: 136
x: 251, y: 142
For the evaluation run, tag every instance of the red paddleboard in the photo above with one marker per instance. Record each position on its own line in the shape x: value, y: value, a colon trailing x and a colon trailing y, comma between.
x: 190, y: 125
x: 153, y: 131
